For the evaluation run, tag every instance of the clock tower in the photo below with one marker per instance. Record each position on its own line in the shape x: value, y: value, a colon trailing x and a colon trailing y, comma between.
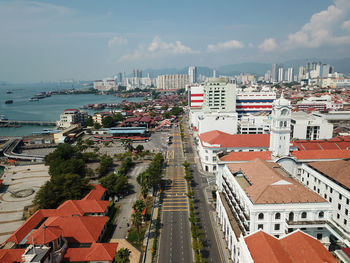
x: 280, y: 127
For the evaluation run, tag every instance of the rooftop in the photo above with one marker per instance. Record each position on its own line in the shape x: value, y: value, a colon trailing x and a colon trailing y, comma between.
x: 97, y: 252
x: 337, y: 170
x: 246, y: 156
x: 217, y: 139
x: 269, y: 184
x: 294, y: 248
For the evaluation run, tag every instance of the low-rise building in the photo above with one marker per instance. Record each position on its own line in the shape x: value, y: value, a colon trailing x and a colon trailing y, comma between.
x: 309, y: 127
x: 70, y: 117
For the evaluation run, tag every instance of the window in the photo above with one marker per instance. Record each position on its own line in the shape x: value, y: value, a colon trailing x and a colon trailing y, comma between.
x: 319, y: 236
x: 330, y: 199
x: 277, y: 236
x: 303, y: 215
x: 325, y: 196
x: 206, y: 158
x: 345, y: 221
x: 340, y: 196
x: 261, y: 216
x: 291, y: 216
x: 346, y: 211
x: 338, y: 216
x: 347, y: 201
x: 321, y: 214
x: 214, y: 159
x: 260, y: 226
x: 277, y: 216
x: 277, y: 227
x: 339, y: 206
x: 330, y: 190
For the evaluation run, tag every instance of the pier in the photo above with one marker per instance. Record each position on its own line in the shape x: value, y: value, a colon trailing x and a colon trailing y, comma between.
x: 10, y: 123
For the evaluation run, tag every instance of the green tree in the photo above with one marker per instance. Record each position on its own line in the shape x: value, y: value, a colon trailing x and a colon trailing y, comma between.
x: 140, y: 148
x: 127, y: 143
x: 176, y: 111
x: 138, y: 207
x: 123, y: 255
x: 114, y: 184
x: 89, y: 121
x: 118, y: 117
x: 108, y: 122
x: 97, y: 126
x: 106, y: 163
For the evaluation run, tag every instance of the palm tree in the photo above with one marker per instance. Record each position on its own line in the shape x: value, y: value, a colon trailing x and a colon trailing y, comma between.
x: 122, y: 255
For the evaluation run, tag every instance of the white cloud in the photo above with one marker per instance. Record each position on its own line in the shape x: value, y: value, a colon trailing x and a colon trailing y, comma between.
x: 231, y: 44
x: 323, y: 28
x: 117, y: 41
x: 346, y: 25
x: 268, y: 45
x: 158, y: 48
x: 157, y: 45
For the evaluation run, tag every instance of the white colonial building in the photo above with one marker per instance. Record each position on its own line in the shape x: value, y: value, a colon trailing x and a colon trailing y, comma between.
x: 309, y: 127
x: 70, y: 117
x: 261, y: 195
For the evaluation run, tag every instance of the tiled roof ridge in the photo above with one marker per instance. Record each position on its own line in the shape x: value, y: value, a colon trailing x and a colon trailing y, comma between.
x: 268, y: 241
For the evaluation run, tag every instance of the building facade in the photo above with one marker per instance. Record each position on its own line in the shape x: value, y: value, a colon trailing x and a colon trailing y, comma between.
x: 172, y: 82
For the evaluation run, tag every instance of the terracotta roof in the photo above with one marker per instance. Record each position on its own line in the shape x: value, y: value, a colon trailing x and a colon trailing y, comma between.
x: 321, y: 154
x: 295, y: 247
x: 340, y: 142
x: 337, y: 170
x: 79, y: 229
x: 11, y: 255
x: 97, y: 252
x: 268, y: 184
x: 29, y: 225
x: 246, y: 156
x: 304, y: 248
x: 264, y: 248
x: 81, y: 207
x: 44, y: 235
x: 222, y: 139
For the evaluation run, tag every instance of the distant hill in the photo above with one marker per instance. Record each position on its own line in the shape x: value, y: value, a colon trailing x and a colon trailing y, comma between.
x: 340, y: 65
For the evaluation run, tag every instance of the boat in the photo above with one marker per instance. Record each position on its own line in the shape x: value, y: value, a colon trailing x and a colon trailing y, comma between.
x: 3, y: 117
x: 9, y: 102
x: 8, y: 91
x: 33, y: 99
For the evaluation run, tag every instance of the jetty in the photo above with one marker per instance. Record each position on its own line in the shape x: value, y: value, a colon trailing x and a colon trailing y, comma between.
x: 17, y: 122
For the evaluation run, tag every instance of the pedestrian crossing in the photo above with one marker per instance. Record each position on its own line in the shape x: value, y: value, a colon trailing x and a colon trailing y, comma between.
x: 175, y: 198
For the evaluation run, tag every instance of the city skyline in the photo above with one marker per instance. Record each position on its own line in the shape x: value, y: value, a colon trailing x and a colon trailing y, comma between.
x: 49, y: 40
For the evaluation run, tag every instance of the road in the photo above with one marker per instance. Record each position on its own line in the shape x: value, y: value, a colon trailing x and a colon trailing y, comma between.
x: 124, y: 216
x: 175, y: 235
x: 210, y: 251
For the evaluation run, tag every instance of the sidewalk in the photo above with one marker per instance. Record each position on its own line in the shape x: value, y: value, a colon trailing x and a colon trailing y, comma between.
x: 150, y: 234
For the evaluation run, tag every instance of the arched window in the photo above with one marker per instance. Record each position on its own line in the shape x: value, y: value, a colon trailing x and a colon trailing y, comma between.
x: 291, y: 216
x: 303, y: 215
x: 321, y: 214
x: 261, y: 216
x: 285, y: 124
x: 277, y: 216
x: 281, y: 124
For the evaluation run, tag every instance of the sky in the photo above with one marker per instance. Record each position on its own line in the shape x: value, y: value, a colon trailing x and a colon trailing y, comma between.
x: 86, y: 40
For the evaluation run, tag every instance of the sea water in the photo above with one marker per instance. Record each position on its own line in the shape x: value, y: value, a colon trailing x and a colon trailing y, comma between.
x: 47, y: 109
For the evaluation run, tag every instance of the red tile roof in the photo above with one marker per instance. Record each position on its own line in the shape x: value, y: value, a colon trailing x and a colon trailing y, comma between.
x: 96, y: 193
x: 340, y: 142
x: 337, y: 170
x: 304, y: 248
x: 11, y: 255
x: 246, y: 156
x: 44, y: 235
x: 82, y: 207
x: 268, y: 184
x: 28, y: 225
x: 97, y: 252
x: 222, y: 139
x: 264, y: 248
x: 296, y: 247
x: 79, y: 229
x: 321, y: 154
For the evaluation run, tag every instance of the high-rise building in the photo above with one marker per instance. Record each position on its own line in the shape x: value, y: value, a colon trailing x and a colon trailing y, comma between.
x: 274, y: 72
x: 301, y: 72
x: 290, y: 74
x: 192, y: 73
x: 120, y: 77
x: 214, y: 73
x: 219, y: 95
x: 137, y: 73
x: 280, y: 74
x: 267, y: 76
x: 172, y: 82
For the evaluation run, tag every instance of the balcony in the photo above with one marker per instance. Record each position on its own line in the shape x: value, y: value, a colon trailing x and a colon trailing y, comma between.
x: 304, y: 222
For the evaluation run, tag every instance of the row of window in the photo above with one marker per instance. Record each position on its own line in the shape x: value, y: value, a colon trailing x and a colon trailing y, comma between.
x: 291, y: 215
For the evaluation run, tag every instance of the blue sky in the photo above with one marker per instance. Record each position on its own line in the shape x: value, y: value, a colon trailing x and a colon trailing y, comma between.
x: 83, y: 39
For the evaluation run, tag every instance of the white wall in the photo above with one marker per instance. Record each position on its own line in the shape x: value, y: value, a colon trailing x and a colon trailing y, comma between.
x: 218, y: 121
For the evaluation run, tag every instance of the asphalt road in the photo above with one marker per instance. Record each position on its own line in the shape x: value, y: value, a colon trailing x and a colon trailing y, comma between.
x: 210, y: 250
x: 175, y: 235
